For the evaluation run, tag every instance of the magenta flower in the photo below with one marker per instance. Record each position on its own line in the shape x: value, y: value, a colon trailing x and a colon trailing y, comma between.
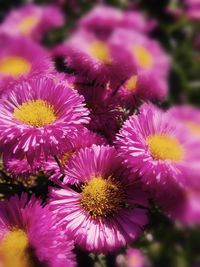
x: 37, y: 118
x: 21, y: 59
x: 32, y: 21
x: 103, y: 20
x: 105, y: 212
x: 149, y: 78
x: 20, y: 167
x: 189, y: 116
x: 160, y: 150
x: 98, y: 61
x: 84, y: 138
x: 30, y: 236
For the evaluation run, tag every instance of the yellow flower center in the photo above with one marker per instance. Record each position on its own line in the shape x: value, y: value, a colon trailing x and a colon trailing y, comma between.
x: 14, y: 66
x: 100, y: 51
x: 193, y: 127
x: 102, y: 198
x: 132, y: 83
x: 164, y: 147
x: 143, y: 57
x: 36, y: 113
x: 27, y: 24
x: 14, y: 249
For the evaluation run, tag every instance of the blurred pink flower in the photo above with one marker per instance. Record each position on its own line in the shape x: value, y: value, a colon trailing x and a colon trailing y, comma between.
x: 32, y: 21
x: 29, y: 235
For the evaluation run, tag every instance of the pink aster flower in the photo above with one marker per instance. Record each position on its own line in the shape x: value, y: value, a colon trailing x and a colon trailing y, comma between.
x: 37, y: 118
x: 29, y: 235
x: 149, y: 78
x: 97, y: 60
x: 103, y: 20
x: 20, y: 167
x: 106, y: 211
x: 159, y: 149
x: 20, y: 59
x: 83, y: 138
x: 32, y: 21
x: 189, y: 116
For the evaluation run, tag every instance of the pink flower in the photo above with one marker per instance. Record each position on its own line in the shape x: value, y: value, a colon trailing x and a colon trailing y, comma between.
x: 38, y: 117
x: 103, y: 20
x: 149, y: 78
x: 21, y: 59
x: 104, y: 212
x: 160, y: 150
x: 20, y: 167
x: 32, y: 21
x: 96, y: 60
x: 29, y: 235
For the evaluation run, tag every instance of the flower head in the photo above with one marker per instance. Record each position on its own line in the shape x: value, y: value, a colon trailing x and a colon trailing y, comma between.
x: 21, y: 59
x: 104, y: 20
x: 26, y: 240
x: 20, y: 167
x: 149, y: 78
x: 160, y: 150
x: 105, y: 205
x: 38, y: 117
x: 32, y: 21
x: 98, y: 60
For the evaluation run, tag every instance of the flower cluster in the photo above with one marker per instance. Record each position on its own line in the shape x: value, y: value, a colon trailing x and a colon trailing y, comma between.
x: 94, y: 135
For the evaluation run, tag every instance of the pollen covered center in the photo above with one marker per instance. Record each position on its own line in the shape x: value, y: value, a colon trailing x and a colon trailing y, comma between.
x: 36, y: 113
x: 193, y: 127
x: 14, y: 66
x: 143, y: 56
x: 164, y: 147
x: 14, y: 249
x: 102, y: 197
x: 100, y: 51
x: 27, y: 24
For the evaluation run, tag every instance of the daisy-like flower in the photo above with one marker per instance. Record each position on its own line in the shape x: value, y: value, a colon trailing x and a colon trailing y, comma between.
x: 189, y: 116
x: 149, y: 79
x: 32, y: 21
x: 29, y: 235
x: 20, y: 167
x: 107, y: 210
x: 103, y: 20
x: 97, y: 60
x: 20, y: 58
x: 83, y: 138
x: 160, y: 150
x: 37, y: 118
